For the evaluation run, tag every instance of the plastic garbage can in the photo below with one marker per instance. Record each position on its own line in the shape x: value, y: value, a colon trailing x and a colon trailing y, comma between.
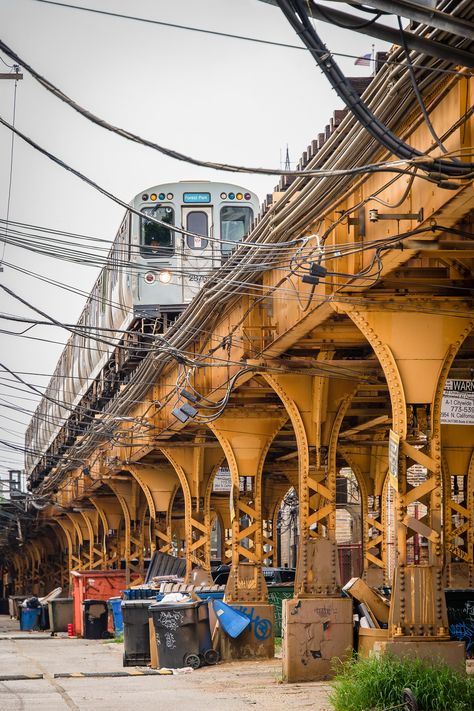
x: 14, y: 603
x: 182, y: 634
x: 95, y: 616
x: 30, y: 618
x: 60, y: 613
x: 114, y: 604
x: 136, y: 635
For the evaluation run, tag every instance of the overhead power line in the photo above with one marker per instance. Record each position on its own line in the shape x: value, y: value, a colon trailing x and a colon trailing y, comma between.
x: 216, y: 33
x: 352, y: 100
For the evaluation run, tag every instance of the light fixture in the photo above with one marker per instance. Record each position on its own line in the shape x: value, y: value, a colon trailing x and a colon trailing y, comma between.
x: 223, y: 196
x: 164, y: 277
x: 153, y: 197
x: 150, y: 277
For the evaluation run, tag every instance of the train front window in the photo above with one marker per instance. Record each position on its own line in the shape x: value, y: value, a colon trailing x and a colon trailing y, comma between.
x: 235, y: 225
x: 196, y: 222
x: 157, y: 240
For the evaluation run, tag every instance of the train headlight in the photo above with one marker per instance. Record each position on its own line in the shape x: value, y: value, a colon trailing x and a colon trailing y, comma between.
x: 153, y: 197
x: 144, y: 196
x: 170, y: 196
x: 247, y: 196
x: 150, y: 277
x: 162, y: 196
x: 164, y: 277
x: 239, y: 196
x: 223, y: 196
x: 231, y: 196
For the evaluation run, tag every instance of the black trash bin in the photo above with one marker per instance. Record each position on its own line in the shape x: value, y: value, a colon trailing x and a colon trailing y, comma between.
x: 182, y: 633
x: 136, y: 635
x: 95, y: 619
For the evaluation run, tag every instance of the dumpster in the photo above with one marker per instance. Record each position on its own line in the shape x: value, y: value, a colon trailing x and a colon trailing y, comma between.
x: 114, y: 604
x: 277, y: 592
x: 182, y: 634
x: 94, y: 585
x: 460, y: 607
x: 136, y: 635
x: 60, y: 613
x: 95, y: 618
x: 30, y: 618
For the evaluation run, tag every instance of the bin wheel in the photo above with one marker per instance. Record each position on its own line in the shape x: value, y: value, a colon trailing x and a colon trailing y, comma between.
x: 211, y: 656
x: 192, y: 660
x: 408, y: 698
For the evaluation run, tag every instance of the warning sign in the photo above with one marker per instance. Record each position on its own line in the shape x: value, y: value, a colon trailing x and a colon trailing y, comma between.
x: 457, y: 407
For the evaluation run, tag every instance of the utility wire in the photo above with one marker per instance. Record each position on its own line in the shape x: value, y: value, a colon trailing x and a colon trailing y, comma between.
x: 351, y: 99
x: 228, y: 35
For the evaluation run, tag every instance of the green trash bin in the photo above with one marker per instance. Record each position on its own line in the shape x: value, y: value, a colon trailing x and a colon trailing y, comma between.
x: 276, y: 594
x: 60, y: 613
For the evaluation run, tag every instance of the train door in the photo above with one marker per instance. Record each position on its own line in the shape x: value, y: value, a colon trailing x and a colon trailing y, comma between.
x: 199, y: 251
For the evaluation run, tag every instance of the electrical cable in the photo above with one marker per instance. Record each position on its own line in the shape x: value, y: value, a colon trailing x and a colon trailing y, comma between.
x: 343, y: 88
x: 296, y: 13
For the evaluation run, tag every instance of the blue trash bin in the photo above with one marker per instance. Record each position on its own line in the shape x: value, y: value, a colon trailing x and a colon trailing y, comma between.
x: 116, y: 609
x: 30, y: 618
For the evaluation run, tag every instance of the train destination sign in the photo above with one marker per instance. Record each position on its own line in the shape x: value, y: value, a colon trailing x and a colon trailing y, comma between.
x: 196, y: 198
x: 457, y: 407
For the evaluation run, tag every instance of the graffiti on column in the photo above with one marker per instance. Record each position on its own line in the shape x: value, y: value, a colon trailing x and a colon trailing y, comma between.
x: 261, y: 626
x: 461, y: 625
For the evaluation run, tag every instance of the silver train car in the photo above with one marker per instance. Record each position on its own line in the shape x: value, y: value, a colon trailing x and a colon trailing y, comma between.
x: 152, y: 273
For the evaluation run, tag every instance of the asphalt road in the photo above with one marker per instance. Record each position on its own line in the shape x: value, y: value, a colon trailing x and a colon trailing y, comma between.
x: 232, y: 686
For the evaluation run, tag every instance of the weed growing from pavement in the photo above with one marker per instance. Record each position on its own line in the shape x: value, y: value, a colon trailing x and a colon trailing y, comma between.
x: 377, y: 683
x: 114, y: 640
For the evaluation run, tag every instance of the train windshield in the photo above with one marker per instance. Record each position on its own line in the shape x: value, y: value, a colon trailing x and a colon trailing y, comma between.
x: 157, y: 240
x: 235, y: 224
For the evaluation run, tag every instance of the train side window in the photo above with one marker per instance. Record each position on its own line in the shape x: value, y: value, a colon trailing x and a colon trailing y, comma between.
x: 157, y: 240
x: 197, y: 222
x: 235, y: 224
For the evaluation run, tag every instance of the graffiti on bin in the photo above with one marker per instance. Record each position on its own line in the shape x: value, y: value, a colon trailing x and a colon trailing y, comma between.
x: 170, y: 619
x: 461, y: 625
x: 170, y: 640
x: 261, y: 626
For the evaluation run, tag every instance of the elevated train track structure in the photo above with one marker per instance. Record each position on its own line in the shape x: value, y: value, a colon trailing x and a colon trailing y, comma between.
x: 329, y: 334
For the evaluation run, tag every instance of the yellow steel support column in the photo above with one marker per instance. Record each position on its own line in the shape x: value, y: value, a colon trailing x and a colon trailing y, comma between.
x: 316, y: 407
x: 159, y: 484
x: 245, y: 440
x: 416, y: 351
x: 195, y: 465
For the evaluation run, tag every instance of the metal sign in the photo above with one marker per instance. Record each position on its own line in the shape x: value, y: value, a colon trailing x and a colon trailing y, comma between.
x: 393, y: 448
x: 457, y: 407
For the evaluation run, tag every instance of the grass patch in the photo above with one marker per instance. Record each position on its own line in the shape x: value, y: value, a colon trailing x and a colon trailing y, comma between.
x: 377, y: 683
x: 114, y: 640
x: 277, y: 644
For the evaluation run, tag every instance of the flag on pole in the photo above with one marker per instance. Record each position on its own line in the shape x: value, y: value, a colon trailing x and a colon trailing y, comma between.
x: 364, y: 61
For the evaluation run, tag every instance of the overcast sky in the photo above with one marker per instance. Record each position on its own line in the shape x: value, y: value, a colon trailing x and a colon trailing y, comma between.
x: 211, y: 97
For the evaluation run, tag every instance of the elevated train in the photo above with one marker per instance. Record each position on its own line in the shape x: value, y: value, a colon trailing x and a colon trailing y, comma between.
x: 152, y: 272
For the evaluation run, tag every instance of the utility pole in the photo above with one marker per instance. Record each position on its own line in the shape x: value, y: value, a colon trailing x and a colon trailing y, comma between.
x: 16, y: 75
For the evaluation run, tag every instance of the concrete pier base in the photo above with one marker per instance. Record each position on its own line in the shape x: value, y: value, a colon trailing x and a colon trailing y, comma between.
x: 315, y: 630
x: 257, y: 641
